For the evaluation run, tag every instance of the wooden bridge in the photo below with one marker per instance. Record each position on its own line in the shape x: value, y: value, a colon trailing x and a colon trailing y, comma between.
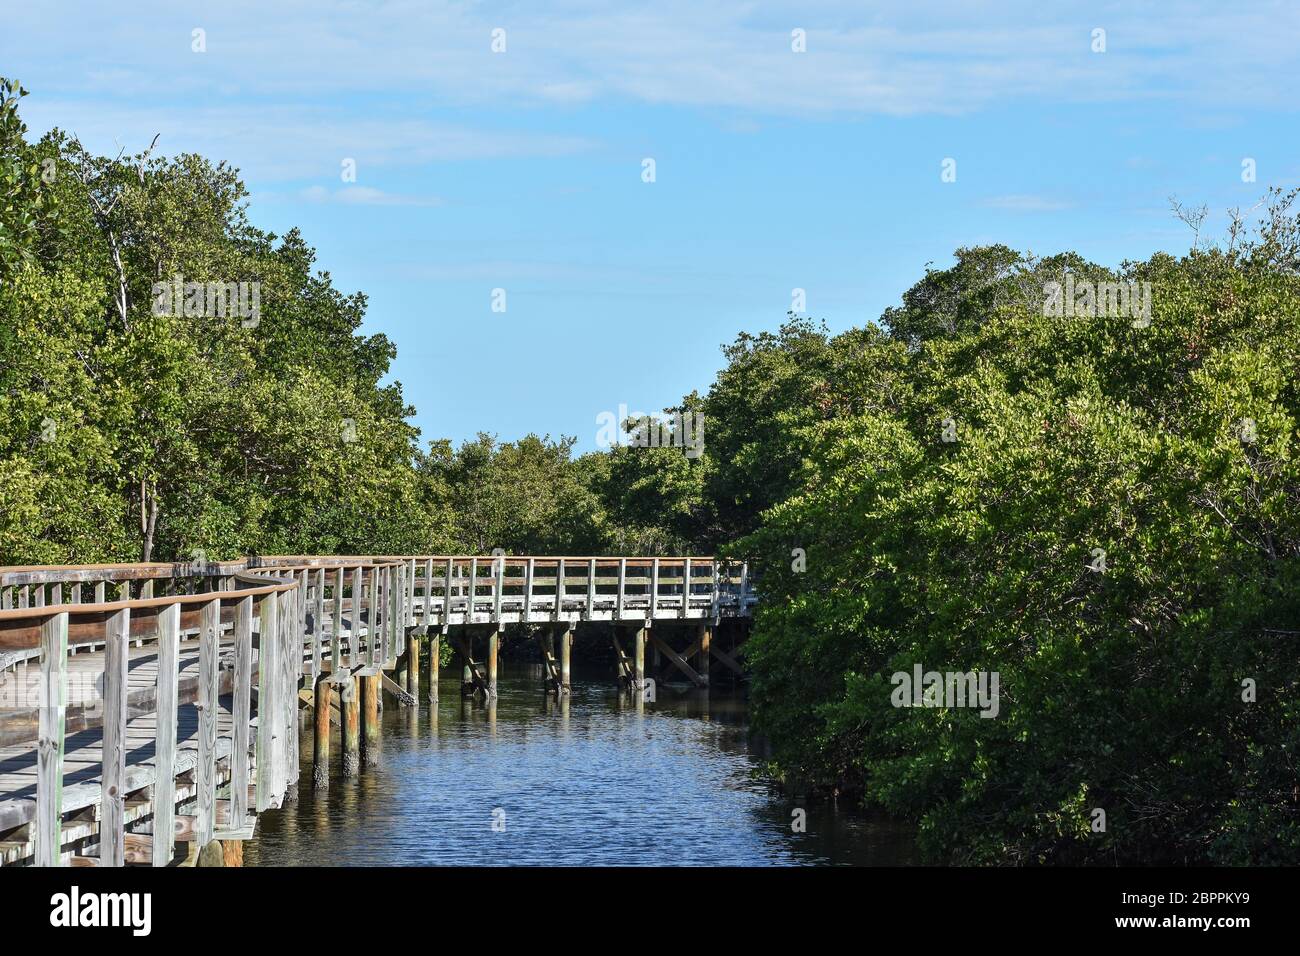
x: 146, y: 699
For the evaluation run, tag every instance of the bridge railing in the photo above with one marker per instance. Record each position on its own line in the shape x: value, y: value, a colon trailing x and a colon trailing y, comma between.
x: 258, y: 627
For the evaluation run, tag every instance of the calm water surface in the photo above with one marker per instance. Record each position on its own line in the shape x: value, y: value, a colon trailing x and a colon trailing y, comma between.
x: 594, y: 780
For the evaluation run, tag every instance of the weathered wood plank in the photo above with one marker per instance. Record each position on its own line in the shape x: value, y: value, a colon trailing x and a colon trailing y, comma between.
x: 677, y: 660
x: 318, y: 623
x: 446, y: 594
x: 358, y: 596
x: 473, y: 586
x: 164, y: 790
x: 112, y: 816
x: 206, y: 705
x: 291, y: 655
x: 267, y: 653
x: 428, y: 592
x: 240, y: 708
x: 337, y: 637
x: 48, y: 832
x: 622, y: 587
x: 686, y: 588
x: 654, y: 588
x: 372, y: 618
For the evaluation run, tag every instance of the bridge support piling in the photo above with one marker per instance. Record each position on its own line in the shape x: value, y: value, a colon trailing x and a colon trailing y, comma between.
x: 706, y: 638
x: 566, y: 647
x: 493, y: 642
x: 413, y: 665
x: 638, y: 661
x: 465, y: 644
x: 435, y: 664
x: 320, y: 770
x: 370, y: 718
x: 351, y: 728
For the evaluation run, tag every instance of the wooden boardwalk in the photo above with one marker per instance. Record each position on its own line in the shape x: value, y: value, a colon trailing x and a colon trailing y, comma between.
x: 158, y: 698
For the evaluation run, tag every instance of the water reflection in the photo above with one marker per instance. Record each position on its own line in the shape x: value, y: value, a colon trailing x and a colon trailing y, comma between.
x: 593, y: 779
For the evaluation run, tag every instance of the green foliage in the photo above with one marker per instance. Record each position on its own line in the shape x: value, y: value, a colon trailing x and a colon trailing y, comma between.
x: 1172, y: 448
x: 129, y: 431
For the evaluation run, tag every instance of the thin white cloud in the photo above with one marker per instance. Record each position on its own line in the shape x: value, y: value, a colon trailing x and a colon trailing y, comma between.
x: 276, y: 142
x: 365, y: 196
x: 1025, y: 202
x: 943, y: 57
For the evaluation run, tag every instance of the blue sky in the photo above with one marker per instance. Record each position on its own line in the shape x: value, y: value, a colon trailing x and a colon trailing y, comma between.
x: 774, y: 170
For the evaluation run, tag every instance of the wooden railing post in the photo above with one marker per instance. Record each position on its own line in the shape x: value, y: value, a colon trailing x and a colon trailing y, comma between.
x: 591, y: 588
x: 499, y: 572
x: 336, y: 638
x: 267, y: 707
x: 446, y: 595
x: 428, y: 591
x: 686, y: 586
x: 300, y: 598
x: 48, y: 831
x: 528, y: 590
x: 358, y: 593
x: 558, y: 610
x: 318, y: 625
x: 240, y: 709
x: 622, y: 585
x: 206, y: 705
x: 392, y: 633
x: 164, y: 787
x: 291, y: 669
x: 714, y: 603
x: 654, y: 588
x: 473, y: 584
x: 112, y: 815
x: 409, y: 571
x: 372, y: 617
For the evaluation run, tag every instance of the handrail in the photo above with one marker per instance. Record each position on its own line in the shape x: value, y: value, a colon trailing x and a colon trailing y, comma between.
x: 285, y: 618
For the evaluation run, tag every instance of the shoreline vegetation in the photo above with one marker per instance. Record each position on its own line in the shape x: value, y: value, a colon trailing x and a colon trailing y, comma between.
x: 1097, y: 503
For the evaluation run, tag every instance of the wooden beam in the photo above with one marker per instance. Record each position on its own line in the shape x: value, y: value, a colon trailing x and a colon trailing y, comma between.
x: 396, y: 690
x: 727, y: 660
x: 677, y: 660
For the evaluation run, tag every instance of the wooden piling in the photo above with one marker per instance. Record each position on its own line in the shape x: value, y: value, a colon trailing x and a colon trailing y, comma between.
x: 566, y: 645
x: 370, y: 718
x: 320, y: 771
x: 638, y: 660
x: 351, y: 728
x: 706, y: 636
x: 493, y: 641
x: 413, y: 664
x: 435, y: 664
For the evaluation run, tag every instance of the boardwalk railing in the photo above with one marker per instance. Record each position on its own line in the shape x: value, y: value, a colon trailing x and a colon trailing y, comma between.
x: 191, y: 675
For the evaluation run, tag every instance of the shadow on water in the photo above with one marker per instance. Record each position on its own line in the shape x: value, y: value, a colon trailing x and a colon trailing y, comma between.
x: 592, y: 780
